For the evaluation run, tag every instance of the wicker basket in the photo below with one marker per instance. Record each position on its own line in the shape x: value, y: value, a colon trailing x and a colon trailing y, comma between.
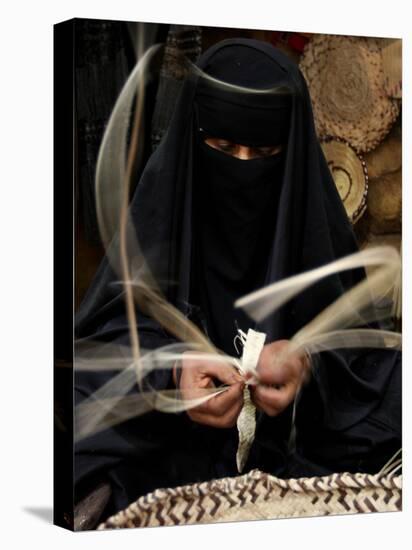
x: 257, y: 495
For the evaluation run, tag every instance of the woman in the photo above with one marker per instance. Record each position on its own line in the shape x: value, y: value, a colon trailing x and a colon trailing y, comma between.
x: 239, y: 195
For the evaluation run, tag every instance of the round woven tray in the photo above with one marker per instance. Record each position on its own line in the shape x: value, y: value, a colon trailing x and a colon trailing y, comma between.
x: 350, y: 174
x: 257, y: 495
x: 347, y: 86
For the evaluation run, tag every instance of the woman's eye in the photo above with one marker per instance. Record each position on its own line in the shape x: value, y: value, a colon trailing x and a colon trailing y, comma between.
x: 267, y: 151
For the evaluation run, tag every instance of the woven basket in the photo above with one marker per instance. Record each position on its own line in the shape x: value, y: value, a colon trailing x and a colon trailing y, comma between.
x: 347, y: 86
x: 257, y: 495
x: 350, y: 174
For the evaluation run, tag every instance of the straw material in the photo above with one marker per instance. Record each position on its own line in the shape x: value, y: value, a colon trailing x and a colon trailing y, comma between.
x: 257, y: 495
x: 350, y: 175
x: 346, y: 84
x: 392, y: 68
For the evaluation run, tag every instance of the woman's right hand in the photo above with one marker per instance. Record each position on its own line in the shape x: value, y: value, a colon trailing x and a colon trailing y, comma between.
x: 221, y: 411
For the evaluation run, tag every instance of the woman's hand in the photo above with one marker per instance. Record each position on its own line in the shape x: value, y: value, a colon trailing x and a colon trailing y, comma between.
x: 222, y: 410
x: 278, y: 381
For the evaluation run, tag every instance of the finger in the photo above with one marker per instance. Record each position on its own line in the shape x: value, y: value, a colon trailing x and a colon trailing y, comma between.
x: 225, y: 373
x: 267, y: 407
x: 270, y: 411
x: 193, y: 378
x: 192, y: 387
x: 274, y: 399
x: 222, y: 403
x: 215, y: 409
x: 230, y: 418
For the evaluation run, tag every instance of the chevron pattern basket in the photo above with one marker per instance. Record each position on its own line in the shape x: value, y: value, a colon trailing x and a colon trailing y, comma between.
x: 257, y: 495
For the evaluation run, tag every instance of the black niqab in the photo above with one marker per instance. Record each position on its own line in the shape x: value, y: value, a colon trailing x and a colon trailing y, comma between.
x: 236, y: 200
x: 236, y: 204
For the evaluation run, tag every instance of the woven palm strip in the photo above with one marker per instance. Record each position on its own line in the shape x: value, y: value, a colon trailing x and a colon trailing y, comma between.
x: 347, y: 86
x: 257, y: 495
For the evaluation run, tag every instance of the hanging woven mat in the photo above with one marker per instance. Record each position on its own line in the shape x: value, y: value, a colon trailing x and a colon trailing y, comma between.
x: 257, y: 495
x: 350, y: 175
x: 347, y: 87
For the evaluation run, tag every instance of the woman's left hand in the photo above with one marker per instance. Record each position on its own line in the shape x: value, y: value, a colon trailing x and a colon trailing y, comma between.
x: 279, y: 381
